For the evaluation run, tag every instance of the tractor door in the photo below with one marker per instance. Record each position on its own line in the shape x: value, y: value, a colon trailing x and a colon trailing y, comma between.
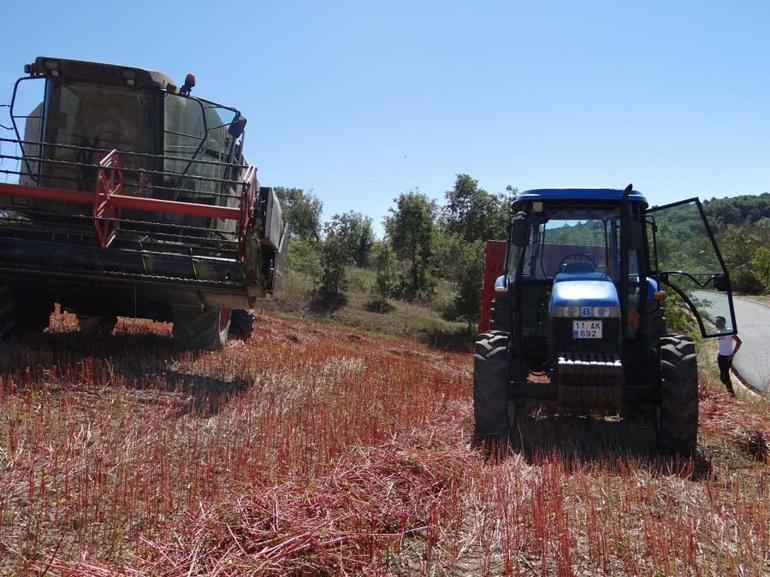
x: 684, y: 256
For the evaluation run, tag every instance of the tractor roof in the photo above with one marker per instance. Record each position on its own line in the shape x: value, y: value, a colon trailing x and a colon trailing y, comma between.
x: 98, y: 73
x: 578, y: 194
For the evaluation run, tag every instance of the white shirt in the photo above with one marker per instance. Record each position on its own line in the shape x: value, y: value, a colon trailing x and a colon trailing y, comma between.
x: 725, y: 345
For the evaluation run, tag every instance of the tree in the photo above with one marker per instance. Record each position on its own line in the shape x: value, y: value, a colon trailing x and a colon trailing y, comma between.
x: 335, y: 256
x: 386, y: 282
x: 462, y: 263
x: 302, y: 212
x: 760, y: 264
x: 474, y: 213
x: 411, y: 229
x: 356, y: 232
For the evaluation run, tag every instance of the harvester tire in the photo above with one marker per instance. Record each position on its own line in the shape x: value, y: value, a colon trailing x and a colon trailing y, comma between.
x: 206, y: 329
x: 490, y: 388
x: 97, y: 325
x: 677, y: 418
x: 242, y: 324
x: 22, y: 314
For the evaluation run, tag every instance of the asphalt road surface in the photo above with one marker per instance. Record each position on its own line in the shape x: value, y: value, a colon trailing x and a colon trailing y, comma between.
x: 753, y: 361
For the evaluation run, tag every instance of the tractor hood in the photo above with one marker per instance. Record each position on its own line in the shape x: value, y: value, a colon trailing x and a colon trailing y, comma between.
x: 593, y: 289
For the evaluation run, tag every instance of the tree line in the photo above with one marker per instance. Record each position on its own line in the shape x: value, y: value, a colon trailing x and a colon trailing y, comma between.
x: 424, y: 243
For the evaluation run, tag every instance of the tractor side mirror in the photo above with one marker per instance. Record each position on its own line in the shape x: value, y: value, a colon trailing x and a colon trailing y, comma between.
x: 520, y: 231
x: 237, y: 127
x: 721, y: 283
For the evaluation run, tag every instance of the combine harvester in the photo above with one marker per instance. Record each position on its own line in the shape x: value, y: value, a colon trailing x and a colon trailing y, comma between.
x: 572, y: 315
x: 127, y: 196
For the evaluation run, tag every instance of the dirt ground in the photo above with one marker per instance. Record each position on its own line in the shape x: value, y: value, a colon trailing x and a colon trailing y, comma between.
x: 313, y: 449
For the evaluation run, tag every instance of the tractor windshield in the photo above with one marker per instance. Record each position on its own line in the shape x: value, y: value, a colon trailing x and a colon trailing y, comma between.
x: 573, y: 241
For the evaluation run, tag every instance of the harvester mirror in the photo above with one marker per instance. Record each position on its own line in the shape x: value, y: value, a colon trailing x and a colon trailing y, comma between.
x: 520, y: 231
x: 237, y: 127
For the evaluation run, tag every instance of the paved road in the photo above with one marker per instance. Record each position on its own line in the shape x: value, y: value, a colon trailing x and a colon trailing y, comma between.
x: 753, y: 360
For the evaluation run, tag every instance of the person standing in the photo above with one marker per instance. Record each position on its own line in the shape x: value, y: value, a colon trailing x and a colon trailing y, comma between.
x: 728, y: 346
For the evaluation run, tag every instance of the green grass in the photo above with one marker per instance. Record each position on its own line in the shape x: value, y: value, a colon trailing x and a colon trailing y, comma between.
x: 420, y: 321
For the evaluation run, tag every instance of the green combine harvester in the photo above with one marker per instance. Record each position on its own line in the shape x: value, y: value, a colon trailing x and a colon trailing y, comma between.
x: 128, y: 196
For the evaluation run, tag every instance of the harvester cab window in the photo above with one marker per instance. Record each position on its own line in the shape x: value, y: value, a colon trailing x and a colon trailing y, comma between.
x: 97, y: 118
x: 686, y: 259
x: 195, y: 130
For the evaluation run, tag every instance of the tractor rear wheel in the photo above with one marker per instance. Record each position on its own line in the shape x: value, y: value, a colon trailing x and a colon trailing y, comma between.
x: 242, y: 323
x: 490, y: 388
x: 677, y: 415
x: 205, y: 329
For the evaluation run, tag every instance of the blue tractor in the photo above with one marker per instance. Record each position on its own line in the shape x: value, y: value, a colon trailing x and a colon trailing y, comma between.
x: 573, y: 316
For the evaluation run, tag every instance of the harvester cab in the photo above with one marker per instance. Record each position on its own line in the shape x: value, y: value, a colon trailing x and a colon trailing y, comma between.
x: 575, y: 296
x: 122, y: 195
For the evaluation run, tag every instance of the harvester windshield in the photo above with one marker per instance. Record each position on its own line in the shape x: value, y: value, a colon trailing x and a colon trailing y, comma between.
x: 100, y: 116
x: 93, y: 118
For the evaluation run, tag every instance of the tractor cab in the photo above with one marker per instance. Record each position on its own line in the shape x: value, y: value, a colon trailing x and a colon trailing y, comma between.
x: 578, y: 292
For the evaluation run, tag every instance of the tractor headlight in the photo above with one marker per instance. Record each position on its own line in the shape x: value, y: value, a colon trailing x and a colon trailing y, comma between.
x: 577, y: 312
x: 602, y: 312
x: 566, y: 312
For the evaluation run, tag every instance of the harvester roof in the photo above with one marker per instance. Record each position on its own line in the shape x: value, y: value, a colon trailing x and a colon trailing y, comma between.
x: 603, y: 195
x: 99, y: 73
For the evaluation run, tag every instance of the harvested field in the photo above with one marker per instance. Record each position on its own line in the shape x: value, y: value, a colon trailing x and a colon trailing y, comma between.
x: 316, y: 450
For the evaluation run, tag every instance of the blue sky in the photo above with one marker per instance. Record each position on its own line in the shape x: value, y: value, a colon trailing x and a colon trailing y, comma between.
x: 361, y: 100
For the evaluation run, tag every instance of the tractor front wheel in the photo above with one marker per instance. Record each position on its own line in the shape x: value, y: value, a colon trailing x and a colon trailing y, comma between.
x: 677, y: 415
x: 490, y: 388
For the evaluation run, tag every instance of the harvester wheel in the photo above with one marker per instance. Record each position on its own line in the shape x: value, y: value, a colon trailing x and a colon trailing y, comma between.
x: 677, y: 418
x: 242, y: 323
x: 205, y: 329
x: 490, y: 388
x: 22, y: 314
x: 97, y: 325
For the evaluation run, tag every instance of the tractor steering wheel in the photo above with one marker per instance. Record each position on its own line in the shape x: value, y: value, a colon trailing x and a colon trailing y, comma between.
x: 577, y: 257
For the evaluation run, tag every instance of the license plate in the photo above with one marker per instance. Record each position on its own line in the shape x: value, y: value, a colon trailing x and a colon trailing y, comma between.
x: 586, y: 329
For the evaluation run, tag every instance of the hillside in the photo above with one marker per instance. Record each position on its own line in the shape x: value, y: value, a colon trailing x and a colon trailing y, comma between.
x: 315, y: 449
x: 747, y: 209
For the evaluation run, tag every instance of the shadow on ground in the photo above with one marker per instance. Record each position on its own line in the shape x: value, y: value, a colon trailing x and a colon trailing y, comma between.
x: 613, y: 444
x: 146, y: 362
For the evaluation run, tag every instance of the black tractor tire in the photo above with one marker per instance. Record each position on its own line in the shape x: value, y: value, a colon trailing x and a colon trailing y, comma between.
x: 205, y: 329
x: 242, y: 324
x: 683, y: 343
x: 22, y: 314
x: 97, y: 325
x: 677, y: 415
x: 490, y: 388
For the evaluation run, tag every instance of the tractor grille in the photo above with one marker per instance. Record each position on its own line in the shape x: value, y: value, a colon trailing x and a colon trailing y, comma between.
x: 589, y: 380
x: 576, y: 369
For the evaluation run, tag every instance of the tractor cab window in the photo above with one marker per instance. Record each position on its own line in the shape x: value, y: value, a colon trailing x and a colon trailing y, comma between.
x: 573, y: 242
